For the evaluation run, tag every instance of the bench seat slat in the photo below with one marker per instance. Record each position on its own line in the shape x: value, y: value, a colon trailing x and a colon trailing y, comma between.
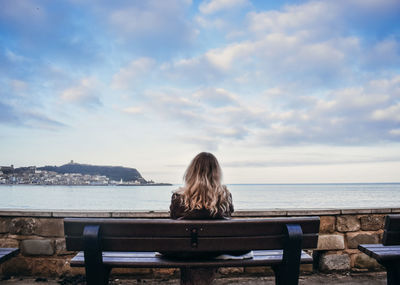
x: 380, y: 252
x: 6, y: 253
x: 153, y: 260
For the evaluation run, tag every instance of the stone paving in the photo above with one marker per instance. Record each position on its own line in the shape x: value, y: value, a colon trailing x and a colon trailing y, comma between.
x: 314, y: 279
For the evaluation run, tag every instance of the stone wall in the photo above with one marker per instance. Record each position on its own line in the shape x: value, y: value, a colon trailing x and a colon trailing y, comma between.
x: 40, y: 237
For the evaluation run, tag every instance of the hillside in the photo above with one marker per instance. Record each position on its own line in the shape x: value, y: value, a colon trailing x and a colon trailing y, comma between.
x: 113, y: 172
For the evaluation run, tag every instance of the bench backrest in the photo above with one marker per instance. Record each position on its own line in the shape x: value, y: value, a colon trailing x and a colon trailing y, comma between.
x: 190, y: 235
x: 391, y: 234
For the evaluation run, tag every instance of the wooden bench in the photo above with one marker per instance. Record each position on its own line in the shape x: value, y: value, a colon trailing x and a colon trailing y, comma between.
x: 7, y: 253
x: 108, y: 243
x: 387, y: 253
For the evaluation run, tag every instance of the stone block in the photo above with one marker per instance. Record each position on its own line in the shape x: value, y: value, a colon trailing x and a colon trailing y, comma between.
x: 347, y: 223
x: 73, y: 271
x: 330, y: 242
x: 372, y: 222
x: 8, y: 242
x: 164, y: 272
x: 230, y: 270
x: 49, y: 227
x: 61, y: 247
x: 23, y: 226
x: 354, y: 239
x: 327, y: 224
x: 17, y: 266
x: 4, y: 225
x: 37, y: 247
x: 306, y: 268
x: 334, y: 262
x: 51, y: 267
x: 363, y: 261
x: 262, y: 270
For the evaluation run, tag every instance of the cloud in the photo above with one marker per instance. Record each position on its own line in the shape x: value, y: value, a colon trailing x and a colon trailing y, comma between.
x: 10, y: 115
x: 288, y: 162
x: 85, y: 93
x: 321, y: 19
x: 384, y: 54
x: 130, y: 74
x: 395, y: 132
x: 213, y: 115
x: 14, y: 58
x: 159, y: 27
x: 214, y: 6
x: 40, y: 28
x: 217, y: 97
x: 356, y: 115
x: 391, y: 113
x: 132, y: 110
x: 41, y: 121
x: 317, y: 72
x: 19, y: 87
x: 223, y: 58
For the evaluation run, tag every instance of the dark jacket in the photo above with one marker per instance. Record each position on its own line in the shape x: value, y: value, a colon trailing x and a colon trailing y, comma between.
x: 178, y: 211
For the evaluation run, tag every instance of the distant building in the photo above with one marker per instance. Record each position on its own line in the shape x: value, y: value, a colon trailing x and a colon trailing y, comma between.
x: 7, y: 169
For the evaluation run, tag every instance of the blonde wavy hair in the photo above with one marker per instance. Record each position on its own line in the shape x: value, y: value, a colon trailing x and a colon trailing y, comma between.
x: 203, y: 188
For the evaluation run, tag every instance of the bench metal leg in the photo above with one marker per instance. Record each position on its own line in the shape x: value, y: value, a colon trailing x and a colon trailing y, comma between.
x: 197, y: 276
x: 393, y: 272
x: 96, y: 272
x: 287, y: 273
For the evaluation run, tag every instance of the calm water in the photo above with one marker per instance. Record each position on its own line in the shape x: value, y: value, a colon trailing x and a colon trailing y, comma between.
x: 245, y: 196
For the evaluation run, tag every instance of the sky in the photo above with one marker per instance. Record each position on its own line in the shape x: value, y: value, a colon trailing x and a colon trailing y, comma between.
x: 279, y: 91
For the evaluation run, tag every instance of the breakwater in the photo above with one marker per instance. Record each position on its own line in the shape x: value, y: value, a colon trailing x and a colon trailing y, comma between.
x: 40, y: 236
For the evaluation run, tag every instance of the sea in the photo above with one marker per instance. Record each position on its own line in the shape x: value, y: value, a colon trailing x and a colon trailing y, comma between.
x: 157, y: 198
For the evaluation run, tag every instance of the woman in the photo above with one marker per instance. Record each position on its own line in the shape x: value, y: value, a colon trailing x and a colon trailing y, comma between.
x: 203, y: 196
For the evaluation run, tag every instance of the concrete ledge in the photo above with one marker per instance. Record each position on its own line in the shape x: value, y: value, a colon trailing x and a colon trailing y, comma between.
x: 25, y: 213
x: 81, y: 214
x: 165, y: 214
x: 313, y: 212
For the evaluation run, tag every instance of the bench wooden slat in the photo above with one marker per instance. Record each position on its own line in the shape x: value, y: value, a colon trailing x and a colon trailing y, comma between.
x: 184, y: 244
x: 173, y: 235
x: 180, y: 228
x: 7, y: 253
x: 381, y: 253
x: 152, y: 260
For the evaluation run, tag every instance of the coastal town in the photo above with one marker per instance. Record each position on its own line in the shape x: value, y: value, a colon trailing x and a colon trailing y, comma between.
x: 31, y: 175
